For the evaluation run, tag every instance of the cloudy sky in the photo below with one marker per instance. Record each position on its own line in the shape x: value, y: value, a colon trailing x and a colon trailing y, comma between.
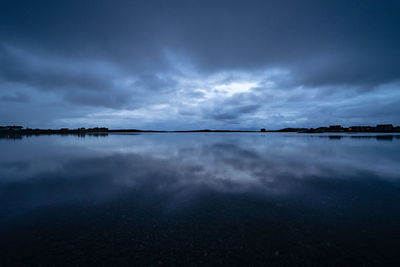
x: 199, y: 64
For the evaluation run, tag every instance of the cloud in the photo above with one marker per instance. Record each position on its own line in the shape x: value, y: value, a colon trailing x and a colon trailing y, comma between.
x: 110, y: 100
x: 18, y: 98
x: 46, y: 73
x: 328, y: 43
x: 230, y: 112
x: 154, y: 82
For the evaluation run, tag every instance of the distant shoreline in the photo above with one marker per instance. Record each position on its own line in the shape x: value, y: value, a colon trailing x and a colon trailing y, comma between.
x: 380, y: 128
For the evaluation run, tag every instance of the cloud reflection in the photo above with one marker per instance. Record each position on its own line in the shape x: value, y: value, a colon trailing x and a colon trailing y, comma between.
x: 181, y: 167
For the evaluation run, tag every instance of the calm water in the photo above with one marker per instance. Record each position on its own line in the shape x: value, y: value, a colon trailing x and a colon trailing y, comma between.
x: 200, y: 199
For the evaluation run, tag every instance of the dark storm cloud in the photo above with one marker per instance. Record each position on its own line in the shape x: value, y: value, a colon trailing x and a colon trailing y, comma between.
x: 78, y: 82
x: 129, y: 54
x: 20, y: 67
x: 332, y: 42
x: 121, y: 32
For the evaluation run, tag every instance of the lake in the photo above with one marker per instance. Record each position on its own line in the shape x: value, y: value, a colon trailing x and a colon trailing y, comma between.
x: 190, y: 199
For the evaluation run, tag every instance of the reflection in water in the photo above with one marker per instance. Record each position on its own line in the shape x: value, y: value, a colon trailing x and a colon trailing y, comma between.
x: 198, y: 199
x: 382, y: 137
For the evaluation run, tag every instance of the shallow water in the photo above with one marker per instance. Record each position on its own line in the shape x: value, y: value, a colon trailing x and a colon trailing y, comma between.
x: 200, y: 199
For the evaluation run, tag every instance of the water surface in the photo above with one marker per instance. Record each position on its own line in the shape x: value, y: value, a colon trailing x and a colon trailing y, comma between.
x: 200, y: 199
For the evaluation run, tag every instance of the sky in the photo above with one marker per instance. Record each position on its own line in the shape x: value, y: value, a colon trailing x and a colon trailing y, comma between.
x: 182, y: 65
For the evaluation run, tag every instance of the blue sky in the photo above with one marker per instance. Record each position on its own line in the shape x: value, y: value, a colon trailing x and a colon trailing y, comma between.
x: 199, y: 64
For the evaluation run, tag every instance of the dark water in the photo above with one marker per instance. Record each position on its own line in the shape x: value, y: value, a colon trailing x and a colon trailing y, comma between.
x: 200, y: 199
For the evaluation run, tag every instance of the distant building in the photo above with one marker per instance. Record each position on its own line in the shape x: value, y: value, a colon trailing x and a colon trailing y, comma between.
x: 14, y: 128
x: 361, y: 129
x: 323, y: 129
x: 263, y: 130
x: 98, y: 129
x: 384, y: 127
x: 3, y: 128
x: 335, y: 128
